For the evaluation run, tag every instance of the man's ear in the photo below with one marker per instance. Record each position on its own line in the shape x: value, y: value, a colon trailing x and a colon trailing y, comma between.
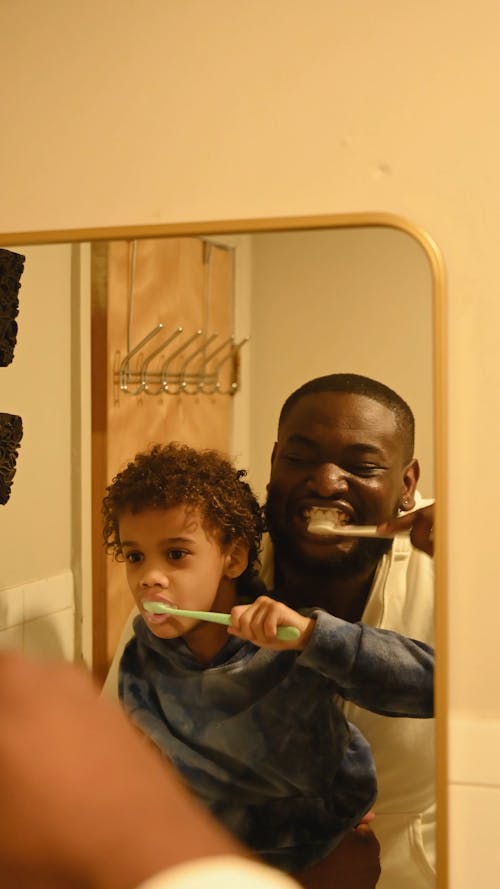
x: 411, y: 476
x: 236, y: 559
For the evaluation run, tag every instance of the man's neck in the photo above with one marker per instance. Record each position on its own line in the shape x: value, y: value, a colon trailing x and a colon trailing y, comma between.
x: 344, y: 597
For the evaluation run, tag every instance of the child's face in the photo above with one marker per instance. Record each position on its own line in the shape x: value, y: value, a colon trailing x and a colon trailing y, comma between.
x: 170, y: 558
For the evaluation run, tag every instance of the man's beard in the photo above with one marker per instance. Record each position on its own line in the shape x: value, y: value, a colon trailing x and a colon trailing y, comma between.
x: 364, y: 555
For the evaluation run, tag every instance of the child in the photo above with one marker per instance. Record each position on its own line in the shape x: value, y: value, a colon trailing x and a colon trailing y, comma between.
x: 250, y: 721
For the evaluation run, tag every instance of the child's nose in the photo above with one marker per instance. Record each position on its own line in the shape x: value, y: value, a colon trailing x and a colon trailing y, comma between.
x: 154, y: 577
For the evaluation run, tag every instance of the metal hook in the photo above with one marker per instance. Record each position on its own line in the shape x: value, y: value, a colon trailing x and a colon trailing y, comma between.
x: 166, y: 386
x: 234, y: 354
x: 184, y: 382
x: 125, y: 372
x: 208, y: 383
x: 144, y: 370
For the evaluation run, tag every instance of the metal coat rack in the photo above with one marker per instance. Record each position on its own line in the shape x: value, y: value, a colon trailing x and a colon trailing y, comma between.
x: 215, y: 372
x: 206, y: 379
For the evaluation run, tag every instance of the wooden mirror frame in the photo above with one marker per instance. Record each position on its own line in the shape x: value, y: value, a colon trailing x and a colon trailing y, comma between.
x: 439, y: 358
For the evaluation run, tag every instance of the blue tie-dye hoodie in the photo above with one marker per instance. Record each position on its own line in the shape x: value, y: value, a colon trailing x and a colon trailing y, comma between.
x: 258, y: 736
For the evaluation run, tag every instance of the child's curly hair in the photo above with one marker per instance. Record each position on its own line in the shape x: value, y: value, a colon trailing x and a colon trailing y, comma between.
x: 174, y: 474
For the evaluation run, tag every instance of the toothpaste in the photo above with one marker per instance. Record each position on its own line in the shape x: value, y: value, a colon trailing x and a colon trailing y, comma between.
x: 326, y: 521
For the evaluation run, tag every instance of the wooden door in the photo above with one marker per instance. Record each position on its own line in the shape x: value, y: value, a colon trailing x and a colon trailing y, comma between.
x: 178, y: 282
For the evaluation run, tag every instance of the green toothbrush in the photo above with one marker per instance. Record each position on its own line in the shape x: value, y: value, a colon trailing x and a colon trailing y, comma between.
x: 287, y: 634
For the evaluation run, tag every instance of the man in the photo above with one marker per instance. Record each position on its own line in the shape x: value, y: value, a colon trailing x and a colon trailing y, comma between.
x: 345, y: 446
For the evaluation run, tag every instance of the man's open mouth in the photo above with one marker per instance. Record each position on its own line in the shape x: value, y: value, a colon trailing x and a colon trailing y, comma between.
x: 325, y: 520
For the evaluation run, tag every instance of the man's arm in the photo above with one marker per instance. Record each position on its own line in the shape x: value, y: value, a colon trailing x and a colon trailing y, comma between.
x: 110, y: 686
x: 353, y: 864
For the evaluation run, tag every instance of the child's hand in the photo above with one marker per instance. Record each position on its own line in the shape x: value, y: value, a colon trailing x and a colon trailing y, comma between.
x: 259, y: 621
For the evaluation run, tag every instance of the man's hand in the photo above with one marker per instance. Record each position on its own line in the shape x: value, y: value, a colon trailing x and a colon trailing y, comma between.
x: 353, y: 864
x: 420, y: 523
x: 259, y: 622
x: 84, y: 800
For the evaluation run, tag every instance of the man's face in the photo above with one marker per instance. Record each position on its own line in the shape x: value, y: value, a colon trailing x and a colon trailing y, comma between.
x: 340, y: 451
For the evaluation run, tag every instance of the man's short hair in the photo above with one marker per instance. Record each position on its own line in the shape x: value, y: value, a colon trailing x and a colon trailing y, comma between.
x: 356, y: 384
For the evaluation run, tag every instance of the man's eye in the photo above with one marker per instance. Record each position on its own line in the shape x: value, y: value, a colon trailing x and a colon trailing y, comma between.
x: 365, y: 469
x: 133, y: 556
x: 295, y: 458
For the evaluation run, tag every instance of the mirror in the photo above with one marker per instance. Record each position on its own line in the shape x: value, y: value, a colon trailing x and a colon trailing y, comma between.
x: 361, y: 294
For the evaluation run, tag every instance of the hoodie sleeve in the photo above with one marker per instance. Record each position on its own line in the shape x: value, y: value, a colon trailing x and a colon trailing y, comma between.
x: 379, y: 670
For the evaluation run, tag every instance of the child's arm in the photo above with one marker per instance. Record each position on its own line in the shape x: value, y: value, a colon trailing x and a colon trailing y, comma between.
x: 380, y: 670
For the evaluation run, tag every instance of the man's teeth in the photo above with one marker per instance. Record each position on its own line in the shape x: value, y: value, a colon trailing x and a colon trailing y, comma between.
x: 325, y: 521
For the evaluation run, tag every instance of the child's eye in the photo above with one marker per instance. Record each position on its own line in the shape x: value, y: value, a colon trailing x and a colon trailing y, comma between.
x: 176, y: 554
x: 133, y: 556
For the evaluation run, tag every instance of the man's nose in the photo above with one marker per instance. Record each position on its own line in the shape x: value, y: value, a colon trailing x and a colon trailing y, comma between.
x: 328, y: 480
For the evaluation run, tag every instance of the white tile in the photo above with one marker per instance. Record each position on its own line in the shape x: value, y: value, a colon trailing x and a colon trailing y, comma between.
x: 11, y: 638
x: 49, y: 595
x: 11, y: 607
x: 51, y: 636
x: 474, y: 850
x: 473, y: 744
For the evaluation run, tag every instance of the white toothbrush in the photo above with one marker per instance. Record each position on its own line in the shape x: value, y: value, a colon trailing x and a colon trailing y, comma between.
x: 322, y: 522
x: 359, y: 531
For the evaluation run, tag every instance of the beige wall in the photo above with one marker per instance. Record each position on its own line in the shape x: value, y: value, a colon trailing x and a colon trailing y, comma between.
x: 210, y: 109
x: 346, y: 300
x: 37, y: 385
x: 36, y: 584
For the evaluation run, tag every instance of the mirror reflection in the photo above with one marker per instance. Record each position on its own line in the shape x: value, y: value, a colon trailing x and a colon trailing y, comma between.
x: 310, y: 304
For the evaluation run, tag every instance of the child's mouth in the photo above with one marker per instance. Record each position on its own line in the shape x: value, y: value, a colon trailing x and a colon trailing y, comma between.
x: 157, y: 611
